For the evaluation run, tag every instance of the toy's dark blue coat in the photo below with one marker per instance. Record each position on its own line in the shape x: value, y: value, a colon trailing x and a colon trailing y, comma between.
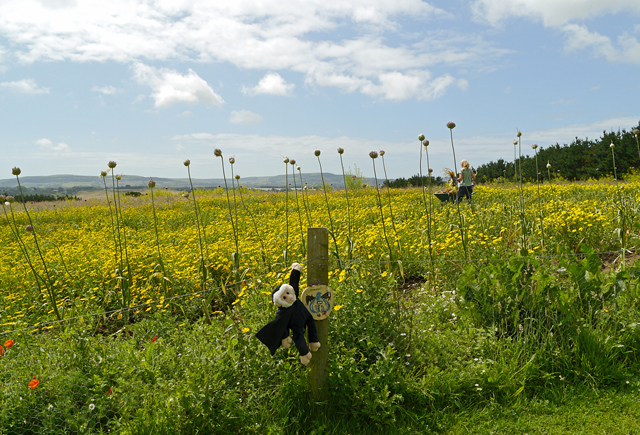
x: 295, y: 318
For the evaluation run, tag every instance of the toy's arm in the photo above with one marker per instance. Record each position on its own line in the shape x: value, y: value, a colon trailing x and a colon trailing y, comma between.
x: 294, y: 278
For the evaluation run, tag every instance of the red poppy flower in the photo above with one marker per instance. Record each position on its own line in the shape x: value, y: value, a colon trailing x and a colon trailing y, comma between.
x: 8, y: 344
x: 33, y: 384
x: 1, y: 351
x: 110, y: 391
x: 153, y: 340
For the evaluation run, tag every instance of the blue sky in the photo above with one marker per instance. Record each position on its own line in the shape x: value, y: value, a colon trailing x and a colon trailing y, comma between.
x: 152, y: 83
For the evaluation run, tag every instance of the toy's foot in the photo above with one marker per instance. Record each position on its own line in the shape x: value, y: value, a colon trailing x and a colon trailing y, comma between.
x: 314, y: 346
x: 286, y: 342
x: 296, y: 266
x: 304, y: 359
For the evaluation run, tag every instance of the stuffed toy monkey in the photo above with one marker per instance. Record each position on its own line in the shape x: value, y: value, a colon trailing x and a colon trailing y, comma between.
x: 291, y: 315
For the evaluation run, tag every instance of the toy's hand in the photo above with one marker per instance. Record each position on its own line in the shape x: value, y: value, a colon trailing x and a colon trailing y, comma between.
x: 305, y: 359
x: 286, y: 342
x: 296, y: 266
x: 314, y: 347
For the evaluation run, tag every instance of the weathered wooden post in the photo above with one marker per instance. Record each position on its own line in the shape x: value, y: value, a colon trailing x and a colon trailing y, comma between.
x: 318, y: 275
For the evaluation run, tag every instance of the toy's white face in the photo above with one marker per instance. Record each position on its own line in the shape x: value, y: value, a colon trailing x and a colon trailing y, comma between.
x: 285, y: 297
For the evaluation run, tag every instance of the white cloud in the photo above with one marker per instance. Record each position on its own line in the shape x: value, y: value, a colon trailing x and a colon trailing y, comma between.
x: 106, y: 90
x: 552, y: 12
x: 48, y: 145
x: 270, y: 84
x: 300, y: 36
x: 564, y: 15
x: 170, y: 87
x: 185, y: 114
x: 244, y: 117
x: 24, y: 86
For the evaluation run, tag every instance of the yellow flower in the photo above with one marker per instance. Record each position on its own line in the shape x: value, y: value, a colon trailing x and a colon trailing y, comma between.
x: 245, y: 330
x: 337, y: 307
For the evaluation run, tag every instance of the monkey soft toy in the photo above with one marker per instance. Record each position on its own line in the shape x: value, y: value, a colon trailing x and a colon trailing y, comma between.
x: 291, y: 315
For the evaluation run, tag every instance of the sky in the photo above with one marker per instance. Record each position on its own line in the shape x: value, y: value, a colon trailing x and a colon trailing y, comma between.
x: 150, y: 83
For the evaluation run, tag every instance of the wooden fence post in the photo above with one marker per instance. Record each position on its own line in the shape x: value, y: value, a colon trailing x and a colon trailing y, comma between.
x: 318, y: 274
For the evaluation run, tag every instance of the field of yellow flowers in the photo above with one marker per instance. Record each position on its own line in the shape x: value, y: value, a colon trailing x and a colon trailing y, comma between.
x: 137, y: 315
x: 78, y: 246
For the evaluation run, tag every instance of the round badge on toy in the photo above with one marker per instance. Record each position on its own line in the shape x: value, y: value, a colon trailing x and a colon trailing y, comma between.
x: 319, y: 301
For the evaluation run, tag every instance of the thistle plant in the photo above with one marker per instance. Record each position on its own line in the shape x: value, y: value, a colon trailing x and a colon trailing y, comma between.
x: 152, y: 185
x: 202, y: 246
x: 346, y: 193
x: 286, y: 208
x: 236, y: 255
x: 103, y: 175
x: 263, y: 251
x: 7, y: 202
x: 292, y: 162
x: 49, y: 283
x: 451, y: 126
x: 119, y: 254
x: 424, y: 143
x: 304, y: 193
x: 393, y: 223
x: 635, y: 133
x: 535, y: 149
x: 522, y: 214
x: 374, y: 156
x: 515, y: 161
x: 326, y: 198
x: 621, y: 209
x: 124, y: 232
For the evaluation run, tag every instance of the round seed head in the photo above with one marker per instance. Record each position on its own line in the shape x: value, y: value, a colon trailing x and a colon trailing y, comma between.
x: 15, y: 171
x: 185, y: 195
x: 103, y: 174
x: 636, y: 131
x: 232, y: 160
x: 292, y: 162
x: 373, y: 155
x: 421, y: 137
x: 237, y: 177
x: 186, y: 162
x: 11, y: 199
x: 217, y: 152
x: 425, y: 143
x: 151, y: 183
x: 612, y: 145
x: 519, y: 133
x: 112, y: 164
x: 340, y: 150
x: 534, y: 146
x: 515, y: 142
x: 29, y: 228
x: 316, y: 153
x: 286, y: 160
x: 451, y: 125
x: 548, y: 164
x: 381, y: 152
x: 119, y: 177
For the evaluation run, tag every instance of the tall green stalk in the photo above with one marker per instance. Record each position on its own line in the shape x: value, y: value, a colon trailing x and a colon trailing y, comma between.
x: 346, y: 194
x: 522, y: 208
x: 121, y: 279
x: 451, y: 126
x: 286, y: 208
x: 203, y: 246
x: 103, y: 175
x: 31, y: 229
x: 326, y: 198
x: 621, y: 210
x: 124, y: 233
x: 535, y: 149
x: 374, y: 156
x: 295, y: 189
x: 635, y: 133
x: 23, y: 247
x: 303, y: 190
x: 236, y: 255
x: 152, y: 185
x: 393, y: 220
x: 425, y: 143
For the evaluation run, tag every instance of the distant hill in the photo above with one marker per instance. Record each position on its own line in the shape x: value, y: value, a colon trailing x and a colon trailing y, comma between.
x: 79, y: 182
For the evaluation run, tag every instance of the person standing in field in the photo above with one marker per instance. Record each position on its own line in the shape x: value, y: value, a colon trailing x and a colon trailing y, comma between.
x: 466, y: 178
